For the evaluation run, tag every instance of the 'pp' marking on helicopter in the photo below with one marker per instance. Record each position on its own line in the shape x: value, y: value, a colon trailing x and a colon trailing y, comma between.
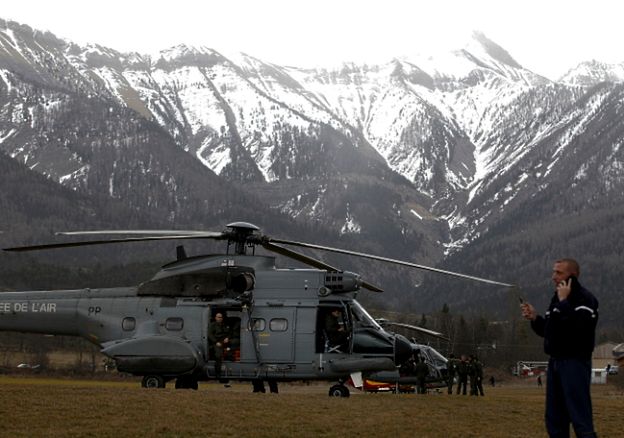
x: 23, y: 307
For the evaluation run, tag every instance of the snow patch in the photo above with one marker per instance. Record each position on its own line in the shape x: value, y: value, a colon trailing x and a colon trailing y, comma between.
x: 4, y: 75
x: 217, y: 160
x: 3, y: 138
x: 350, y: 226
x: 416, y: 214
x: 75, y: 175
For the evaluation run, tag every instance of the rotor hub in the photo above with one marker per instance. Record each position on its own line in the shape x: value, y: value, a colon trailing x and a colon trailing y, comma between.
x: 242, y: 234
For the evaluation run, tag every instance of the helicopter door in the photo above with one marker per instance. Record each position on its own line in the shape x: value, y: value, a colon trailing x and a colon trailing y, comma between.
x: 334, y: 329
x: 274, y: 333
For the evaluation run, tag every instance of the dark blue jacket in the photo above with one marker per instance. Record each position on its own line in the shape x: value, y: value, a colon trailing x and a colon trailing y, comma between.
x: 569, y: 326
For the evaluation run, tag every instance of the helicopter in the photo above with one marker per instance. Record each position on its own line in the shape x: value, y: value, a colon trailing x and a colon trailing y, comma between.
x: 160, y: 329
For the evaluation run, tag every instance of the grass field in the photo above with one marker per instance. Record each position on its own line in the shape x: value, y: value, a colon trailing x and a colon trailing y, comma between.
x: 40, y: 407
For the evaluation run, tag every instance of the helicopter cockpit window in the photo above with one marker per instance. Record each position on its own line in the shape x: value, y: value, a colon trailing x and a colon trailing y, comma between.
x: 128, y: 324
x: 174, y: 324
x: 361, y: 316
x: 436, y: 358
x: 278, y: 325
x: 258, y: 324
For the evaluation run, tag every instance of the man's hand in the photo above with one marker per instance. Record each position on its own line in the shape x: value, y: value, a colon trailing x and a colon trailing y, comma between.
x: 528, y: 311
x: 563, y: 289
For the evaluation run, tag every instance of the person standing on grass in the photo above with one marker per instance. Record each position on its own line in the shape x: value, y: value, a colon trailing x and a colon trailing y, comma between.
x: 451, y: 370
x: 462, y: 375
x: 568, y: 329
x: 472, y: 374
x: 422, y: 371
x: 478, y: 376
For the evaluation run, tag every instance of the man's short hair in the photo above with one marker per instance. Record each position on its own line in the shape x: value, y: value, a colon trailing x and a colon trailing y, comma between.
x: 572, y: 265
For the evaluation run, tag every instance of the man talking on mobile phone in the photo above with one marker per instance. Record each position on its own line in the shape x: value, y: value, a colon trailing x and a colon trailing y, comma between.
x: 568, y: 329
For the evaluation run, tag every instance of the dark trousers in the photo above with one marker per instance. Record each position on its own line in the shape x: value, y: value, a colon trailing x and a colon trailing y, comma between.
x: 473, y: 385
x: 478, y: 386
x: 568, y: 398
x: 258, y: 386
x: 218, y: 358
x: 449, y: 383
x: 461, y: 384
x: 422, y: 388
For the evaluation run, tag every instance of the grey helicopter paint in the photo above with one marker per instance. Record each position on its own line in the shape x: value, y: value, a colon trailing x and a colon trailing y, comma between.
x: 159, y: 329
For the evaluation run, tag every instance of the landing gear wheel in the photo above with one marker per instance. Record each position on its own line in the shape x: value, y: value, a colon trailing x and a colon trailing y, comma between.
x: 186, y: 382
x: 339, y: 391
x: 153, y: 381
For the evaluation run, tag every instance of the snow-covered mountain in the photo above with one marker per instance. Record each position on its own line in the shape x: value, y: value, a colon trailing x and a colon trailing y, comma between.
x: 590, y: 73
x: 417, y: 157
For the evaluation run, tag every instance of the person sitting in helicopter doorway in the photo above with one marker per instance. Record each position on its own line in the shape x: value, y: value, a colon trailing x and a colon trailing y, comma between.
x: 335, y: 330
x: 219, y: 338
x: 422, y: 371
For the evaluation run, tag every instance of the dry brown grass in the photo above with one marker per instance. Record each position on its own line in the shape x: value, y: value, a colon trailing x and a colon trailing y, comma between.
x: 32, y: 407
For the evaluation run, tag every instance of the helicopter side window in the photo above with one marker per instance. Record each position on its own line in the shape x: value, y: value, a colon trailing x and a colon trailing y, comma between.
x: 258, y: 324
x: 174, y: 324
x: 278, y: 325
x: 128, y: 324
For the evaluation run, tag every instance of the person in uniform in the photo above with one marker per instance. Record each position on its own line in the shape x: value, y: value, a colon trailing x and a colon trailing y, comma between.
x: 451, y: 370
x: 421, y: 371
x: 472, y: 375
x: 334, y: 329
x: 569, y: 331
x: 219, y: 337
x: 462, y: 375
x: 478, y: 365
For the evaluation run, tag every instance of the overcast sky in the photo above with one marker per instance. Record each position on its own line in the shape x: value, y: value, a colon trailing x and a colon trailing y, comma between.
x: 546, y: 36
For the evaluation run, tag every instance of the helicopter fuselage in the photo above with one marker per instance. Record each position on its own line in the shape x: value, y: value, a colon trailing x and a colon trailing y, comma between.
x: 161, y: 327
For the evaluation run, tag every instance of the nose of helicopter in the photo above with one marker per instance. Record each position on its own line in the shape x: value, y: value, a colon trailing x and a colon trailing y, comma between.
x: 402, y: 349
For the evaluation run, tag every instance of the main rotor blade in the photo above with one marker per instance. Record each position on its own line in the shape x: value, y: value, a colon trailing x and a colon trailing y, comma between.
x: 388, y: 260
x: 103, y: 242
x: 207, y: 234
x: 418, y: 329
x: 312, y: 262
